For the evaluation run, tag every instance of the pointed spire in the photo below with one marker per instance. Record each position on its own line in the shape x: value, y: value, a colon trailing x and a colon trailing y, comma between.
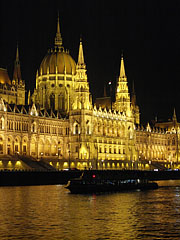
x: 17, y: 54
x: 58, y: 38
x: 29, y: 97
x: 17, y: 70
x: 122, y: 68
x: 133, y: 95
x: 81, y: 55
x: 81, y: 62
x: 174, y: 116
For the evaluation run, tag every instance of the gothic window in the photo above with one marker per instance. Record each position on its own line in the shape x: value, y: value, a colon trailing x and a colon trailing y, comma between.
x: 100, y: 149
x: 76, y: 129
x: 24, y: 148
x: 60, y: 131
x: 16, y: 148
x: 67, y: 131
x: 105, y: 149
x: 61, y: 102
x: 88, y: 129
x: 52, y: 101
x: 33, y: 127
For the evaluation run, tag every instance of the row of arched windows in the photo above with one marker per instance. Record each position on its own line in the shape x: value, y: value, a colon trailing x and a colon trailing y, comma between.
x: 16, y: 125
x: 111, y: 150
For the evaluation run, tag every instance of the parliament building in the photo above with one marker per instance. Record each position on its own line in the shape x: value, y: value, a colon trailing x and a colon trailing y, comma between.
x: 60, y: 127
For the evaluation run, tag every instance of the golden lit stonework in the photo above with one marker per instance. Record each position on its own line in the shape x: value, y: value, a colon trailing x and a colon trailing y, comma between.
x: 61, y: 127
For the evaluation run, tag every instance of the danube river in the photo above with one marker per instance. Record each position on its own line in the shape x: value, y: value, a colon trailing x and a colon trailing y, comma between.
x: 50, y: 212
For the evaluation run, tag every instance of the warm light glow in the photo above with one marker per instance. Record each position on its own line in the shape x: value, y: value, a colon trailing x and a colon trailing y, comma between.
x: 18, y: 163
x: 65, y: 165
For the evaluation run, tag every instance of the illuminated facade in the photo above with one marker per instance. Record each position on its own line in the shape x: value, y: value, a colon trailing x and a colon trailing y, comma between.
x: 61, y: 125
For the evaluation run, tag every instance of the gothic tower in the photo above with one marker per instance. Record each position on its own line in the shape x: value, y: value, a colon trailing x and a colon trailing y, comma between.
x: 82, y: 94
x: 81, y: 112
x: 122, y: 96
x: 17, y: 81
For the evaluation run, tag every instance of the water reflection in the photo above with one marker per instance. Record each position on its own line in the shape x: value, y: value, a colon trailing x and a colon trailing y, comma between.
x: 50, y: 212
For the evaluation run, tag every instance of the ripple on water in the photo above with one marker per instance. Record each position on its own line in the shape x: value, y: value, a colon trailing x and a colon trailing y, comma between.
x: 49, y: 212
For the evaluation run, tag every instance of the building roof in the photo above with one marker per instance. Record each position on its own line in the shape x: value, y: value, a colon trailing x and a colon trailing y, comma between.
x: 4, y: 78
x: 57, y: 60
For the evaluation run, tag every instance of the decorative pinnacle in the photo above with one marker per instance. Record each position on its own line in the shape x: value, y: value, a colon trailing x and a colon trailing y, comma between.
x: 81, y: 62
x: 81, y: 55
x: 58, y: 38
x: 122, y: 68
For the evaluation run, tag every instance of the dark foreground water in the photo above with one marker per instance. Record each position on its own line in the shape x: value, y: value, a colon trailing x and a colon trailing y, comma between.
x: 50, y: 212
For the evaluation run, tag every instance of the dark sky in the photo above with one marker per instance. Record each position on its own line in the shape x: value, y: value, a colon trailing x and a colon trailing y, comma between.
x: 148, y: 32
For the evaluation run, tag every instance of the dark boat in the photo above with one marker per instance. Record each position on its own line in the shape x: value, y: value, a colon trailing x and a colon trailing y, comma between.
x: 97, y: 185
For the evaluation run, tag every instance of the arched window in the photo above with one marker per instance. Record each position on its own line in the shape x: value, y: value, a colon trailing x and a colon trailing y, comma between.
x: 88, y: 129
x: 52, y: 101
x: 61, y: 102
x: 76, y: 129
x: 2, y: 123
x: 33, y: 127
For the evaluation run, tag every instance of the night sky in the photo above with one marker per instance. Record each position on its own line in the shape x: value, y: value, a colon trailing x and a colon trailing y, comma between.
x: 148, y: 33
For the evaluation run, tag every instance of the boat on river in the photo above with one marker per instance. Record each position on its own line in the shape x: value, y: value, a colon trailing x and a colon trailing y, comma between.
x: 98, y: 185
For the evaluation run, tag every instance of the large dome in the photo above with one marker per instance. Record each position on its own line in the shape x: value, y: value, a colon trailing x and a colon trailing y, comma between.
x: 4, y: 78
x: 57, y: 62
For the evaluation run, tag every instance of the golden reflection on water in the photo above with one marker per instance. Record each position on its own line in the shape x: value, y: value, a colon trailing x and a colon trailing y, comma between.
x: 50, y: 212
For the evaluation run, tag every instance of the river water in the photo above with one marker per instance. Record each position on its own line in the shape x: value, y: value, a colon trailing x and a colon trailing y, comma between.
x: 50, y: 212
